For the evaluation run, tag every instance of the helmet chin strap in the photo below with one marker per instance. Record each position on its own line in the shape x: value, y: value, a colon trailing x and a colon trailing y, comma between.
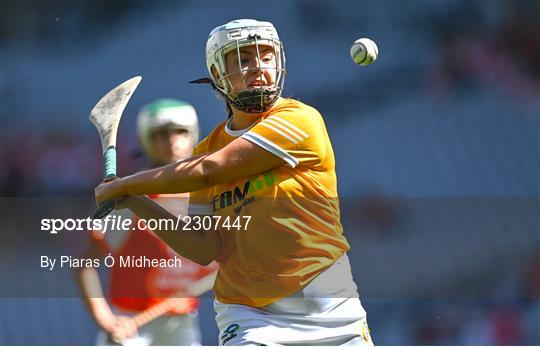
x: 254, y: 101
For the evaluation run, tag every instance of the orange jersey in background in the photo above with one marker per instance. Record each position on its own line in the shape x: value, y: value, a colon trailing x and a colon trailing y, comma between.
x: 295, y: 230
x: 138, y: 288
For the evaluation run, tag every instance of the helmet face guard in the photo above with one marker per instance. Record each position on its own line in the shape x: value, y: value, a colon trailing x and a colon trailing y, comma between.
x: 232, y: 37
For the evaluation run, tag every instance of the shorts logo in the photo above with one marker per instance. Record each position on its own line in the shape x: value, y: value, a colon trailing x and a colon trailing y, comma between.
x: 239, y: 195
x: 230, y: 332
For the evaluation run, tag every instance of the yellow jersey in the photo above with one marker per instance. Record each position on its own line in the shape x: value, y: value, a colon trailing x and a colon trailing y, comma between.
x: 294, y: 230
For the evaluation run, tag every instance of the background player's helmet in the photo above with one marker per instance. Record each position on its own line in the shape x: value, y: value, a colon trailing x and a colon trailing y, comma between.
x: 166, y: 113
x: 232, y: 36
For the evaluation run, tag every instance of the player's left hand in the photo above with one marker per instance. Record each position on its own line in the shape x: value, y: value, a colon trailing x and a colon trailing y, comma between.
x: 109, y: 190
x: 124, y: 327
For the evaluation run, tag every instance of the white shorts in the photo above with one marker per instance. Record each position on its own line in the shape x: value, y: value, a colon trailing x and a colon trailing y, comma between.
x: 325, y: 312
x: 172, y: 330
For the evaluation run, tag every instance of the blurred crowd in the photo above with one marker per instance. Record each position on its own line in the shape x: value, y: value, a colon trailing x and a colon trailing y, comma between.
x: 497, y: 51
x: 497, y: 307
x: 511, y: 319
x: 475, y: 52
x: 58, y: 163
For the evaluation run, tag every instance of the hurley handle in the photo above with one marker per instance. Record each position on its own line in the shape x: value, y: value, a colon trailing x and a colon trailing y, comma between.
x: 109, y: 162
x: 109, y: 171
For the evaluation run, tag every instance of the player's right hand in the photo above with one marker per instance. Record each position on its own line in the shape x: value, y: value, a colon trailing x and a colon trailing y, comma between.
x: 111, y: 190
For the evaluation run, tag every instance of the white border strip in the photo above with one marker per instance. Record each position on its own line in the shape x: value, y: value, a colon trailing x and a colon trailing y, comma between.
x: 271, y: 147
x: 236, y: 133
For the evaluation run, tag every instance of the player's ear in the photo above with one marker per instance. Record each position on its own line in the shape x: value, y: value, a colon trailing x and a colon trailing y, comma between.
x: 216, y: 75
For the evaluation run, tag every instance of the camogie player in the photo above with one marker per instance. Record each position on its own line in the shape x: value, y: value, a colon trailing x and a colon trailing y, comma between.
x: 168, y: 130
x: 284, y: 276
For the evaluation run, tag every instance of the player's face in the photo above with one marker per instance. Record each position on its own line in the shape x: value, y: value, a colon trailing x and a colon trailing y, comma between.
x: 171, y: 145
x: 251, y: 70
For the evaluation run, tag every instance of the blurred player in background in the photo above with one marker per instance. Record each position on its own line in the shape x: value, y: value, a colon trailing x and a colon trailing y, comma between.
x: 168, y: 130
x: 284, y: 277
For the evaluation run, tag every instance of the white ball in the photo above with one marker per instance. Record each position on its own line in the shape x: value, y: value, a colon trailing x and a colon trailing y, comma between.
x: 364, y: 51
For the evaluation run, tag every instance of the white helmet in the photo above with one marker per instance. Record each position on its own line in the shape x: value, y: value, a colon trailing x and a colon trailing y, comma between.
x: 166, y: 113
x: 231, y: 36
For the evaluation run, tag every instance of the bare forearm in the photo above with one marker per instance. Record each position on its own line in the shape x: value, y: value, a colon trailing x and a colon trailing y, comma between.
x: 200, y: 247
x: 186, y: 176
x: 92, y: 294
x: 240, y: 158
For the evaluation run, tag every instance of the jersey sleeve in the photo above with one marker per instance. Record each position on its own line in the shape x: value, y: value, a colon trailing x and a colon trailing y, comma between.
x: 294, y: 134
x: 198, y: 200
